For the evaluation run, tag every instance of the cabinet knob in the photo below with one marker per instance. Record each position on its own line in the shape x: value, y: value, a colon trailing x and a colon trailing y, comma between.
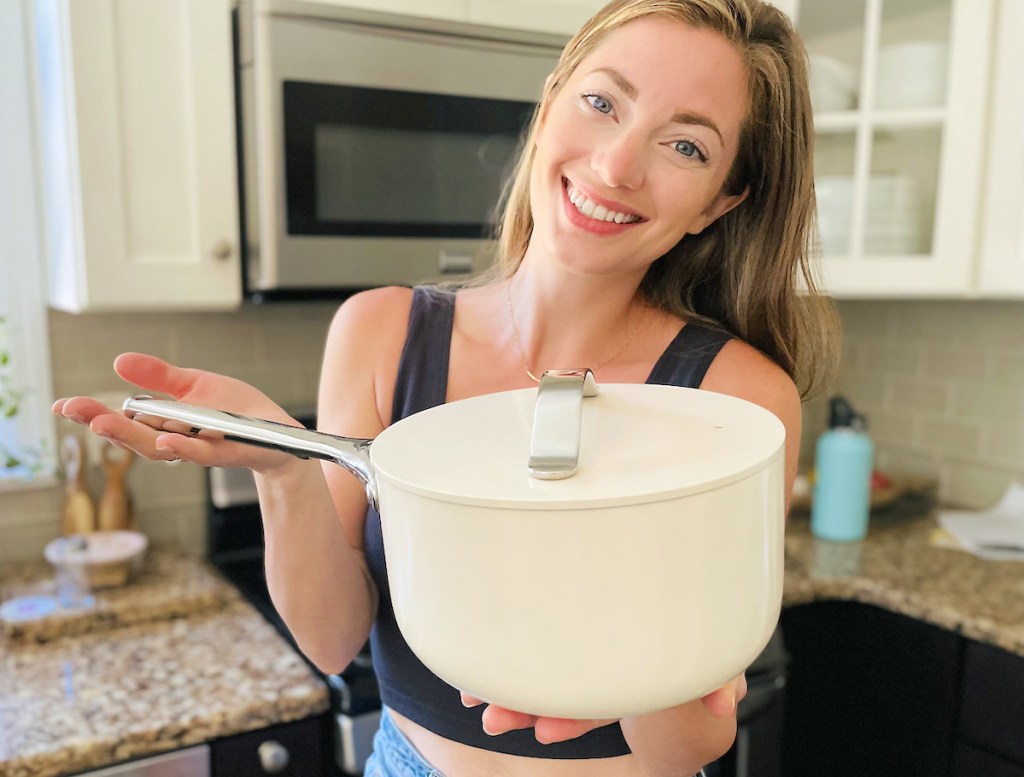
x: 273, y: 756
x: 222, y: 249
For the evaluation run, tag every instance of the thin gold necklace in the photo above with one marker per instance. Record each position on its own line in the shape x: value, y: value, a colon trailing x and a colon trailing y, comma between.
x: 522, y: 351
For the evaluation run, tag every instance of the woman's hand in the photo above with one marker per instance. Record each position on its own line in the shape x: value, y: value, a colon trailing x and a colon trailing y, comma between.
x: 169, y: 440
x: 720, y: 703
x: 498, y: 720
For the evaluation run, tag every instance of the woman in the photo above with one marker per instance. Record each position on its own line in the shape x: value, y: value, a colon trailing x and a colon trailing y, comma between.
x: 655, y: 230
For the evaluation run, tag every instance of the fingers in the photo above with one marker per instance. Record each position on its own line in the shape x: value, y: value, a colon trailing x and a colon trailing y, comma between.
x: 149, y: 442
x: 499, y: 720
x: 153, y: 374
x: 722, y: 702
x: 741, y: 688
x: 548, y: 730
x: 82, y: 407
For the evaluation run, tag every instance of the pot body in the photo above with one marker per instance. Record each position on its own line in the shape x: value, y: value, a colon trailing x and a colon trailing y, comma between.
x: 649, y: 577
x: 594, y: 612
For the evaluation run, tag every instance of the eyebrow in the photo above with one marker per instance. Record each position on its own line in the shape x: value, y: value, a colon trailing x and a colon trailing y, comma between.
x: 685, y: 117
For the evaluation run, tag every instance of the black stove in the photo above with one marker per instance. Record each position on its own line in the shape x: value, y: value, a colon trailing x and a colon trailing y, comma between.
x: 236, y: 549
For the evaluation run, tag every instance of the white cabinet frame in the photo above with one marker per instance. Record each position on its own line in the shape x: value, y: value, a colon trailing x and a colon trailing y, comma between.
x: 1001, y: 265
x: 136, y: 114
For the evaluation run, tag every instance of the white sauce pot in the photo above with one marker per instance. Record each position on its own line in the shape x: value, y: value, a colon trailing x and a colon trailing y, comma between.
x: 574, y: 558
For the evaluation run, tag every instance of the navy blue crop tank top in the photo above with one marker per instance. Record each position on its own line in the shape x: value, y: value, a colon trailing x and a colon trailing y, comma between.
x: 406, y: 685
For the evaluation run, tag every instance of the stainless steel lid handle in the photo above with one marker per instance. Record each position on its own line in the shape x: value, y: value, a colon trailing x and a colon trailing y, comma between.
x: 557, y: 418
x: 352, y: 453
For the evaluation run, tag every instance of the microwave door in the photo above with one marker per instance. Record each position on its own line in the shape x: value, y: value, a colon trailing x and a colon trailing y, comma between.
x: 380, y: 152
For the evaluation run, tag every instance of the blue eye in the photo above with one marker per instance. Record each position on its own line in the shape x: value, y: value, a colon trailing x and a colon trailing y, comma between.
x: 688, y: 149
x: 598, y: 103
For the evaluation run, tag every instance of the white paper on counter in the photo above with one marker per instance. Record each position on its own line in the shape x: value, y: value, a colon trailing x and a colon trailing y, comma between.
x: 997, y: 533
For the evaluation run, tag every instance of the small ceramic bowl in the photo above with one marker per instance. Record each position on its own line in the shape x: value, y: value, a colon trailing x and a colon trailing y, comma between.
x: 102, y: 559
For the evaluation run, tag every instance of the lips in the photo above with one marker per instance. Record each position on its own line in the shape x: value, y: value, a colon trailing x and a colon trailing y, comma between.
x: 596, y: 210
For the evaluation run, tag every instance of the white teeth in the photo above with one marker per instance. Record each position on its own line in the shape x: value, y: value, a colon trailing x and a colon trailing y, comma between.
x: 595, y: 211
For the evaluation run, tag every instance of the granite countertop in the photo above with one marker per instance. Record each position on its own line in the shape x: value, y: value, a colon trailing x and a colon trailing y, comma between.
x: 899, y: 568
x: 196, y: 663
x: 169, y: 584
x: 177, y: 657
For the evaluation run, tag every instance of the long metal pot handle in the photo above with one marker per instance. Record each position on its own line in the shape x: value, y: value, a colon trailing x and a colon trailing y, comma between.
x: 352, y: 453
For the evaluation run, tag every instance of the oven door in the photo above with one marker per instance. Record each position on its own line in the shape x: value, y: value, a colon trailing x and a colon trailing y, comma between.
x: 192, y: 761
x: 375, y: 146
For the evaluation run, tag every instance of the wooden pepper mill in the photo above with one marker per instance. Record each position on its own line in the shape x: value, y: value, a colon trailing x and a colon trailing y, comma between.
x: 79, y: 510
x: 115, y: 508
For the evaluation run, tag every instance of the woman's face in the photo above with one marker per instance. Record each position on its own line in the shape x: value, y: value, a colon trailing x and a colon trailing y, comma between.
x: 634, y: 149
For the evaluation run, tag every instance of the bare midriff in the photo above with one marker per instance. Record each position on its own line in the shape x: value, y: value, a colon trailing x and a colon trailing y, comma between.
x: 454, y: 759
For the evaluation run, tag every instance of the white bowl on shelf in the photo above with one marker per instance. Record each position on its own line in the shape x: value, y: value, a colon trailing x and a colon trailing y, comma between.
x: 911, y: 75
x: 833, y: 84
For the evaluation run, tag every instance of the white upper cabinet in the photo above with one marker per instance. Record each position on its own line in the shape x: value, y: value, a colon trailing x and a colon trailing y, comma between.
x: 450, y: 10
x: 136, y: 117
x: 562, y: 17
x: 1001, y: 269
x: 788, y: 7
x: 899, y: 89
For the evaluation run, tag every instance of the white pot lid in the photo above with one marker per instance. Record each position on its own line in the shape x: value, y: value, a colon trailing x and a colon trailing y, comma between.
x: 638, y: 443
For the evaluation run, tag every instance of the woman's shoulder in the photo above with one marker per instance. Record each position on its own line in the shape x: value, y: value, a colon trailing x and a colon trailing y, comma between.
x: 361, y: 355
x: 375, y: 307
x: 743, y: 371
x: 373, y: 318
x: 372, y: 323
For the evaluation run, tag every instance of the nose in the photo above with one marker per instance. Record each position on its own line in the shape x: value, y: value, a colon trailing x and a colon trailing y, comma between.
x: 619, y: 160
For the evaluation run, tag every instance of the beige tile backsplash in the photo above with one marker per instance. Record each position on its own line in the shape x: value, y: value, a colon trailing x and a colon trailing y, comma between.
x: 942, y: 384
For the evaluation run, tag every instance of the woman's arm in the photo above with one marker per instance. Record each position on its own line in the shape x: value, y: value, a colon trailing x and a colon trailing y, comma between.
x: 313, y: 514
x: 316, y: 567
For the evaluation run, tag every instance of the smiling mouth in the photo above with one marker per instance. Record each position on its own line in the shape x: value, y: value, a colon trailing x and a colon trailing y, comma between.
x: 594, y: 211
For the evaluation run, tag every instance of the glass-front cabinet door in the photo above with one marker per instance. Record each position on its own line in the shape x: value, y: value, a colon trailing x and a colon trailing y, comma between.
x: 899, y: 91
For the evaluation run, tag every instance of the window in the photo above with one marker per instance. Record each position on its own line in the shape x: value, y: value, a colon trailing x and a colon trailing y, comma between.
x: 26, y: 425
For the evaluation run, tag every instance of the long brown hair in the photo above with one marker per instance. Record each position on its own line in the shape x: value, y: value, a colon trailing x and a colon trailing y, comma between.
x: 750, y: 272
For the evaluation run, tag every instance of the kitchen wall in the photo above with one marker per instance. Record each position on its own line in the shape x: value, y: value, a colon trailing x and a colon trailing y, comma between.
x: 942, y: 385
x: 275, y: 347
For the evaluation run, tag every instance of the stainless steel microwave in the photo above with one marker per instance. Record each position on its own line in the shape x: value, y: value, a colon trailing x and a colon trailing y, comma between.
x: 374, y: 147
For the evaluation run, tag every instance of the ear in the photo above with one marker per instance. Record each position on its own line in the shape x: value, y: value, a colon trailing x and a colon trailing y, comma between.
x: 718, y: 207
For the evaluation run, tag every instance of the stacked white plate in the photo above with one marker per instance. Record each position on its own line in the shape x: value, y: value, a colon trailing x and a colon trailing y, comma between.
x: 894, y: 216
x: 893, y: 222
x: 835, y: 209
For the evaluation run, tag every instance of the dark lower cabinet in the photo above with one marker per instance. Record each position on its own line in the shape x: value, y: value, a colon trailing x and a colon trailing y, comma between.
x: 869, y: 692
x: 873, y: 692
x: 971, y: 761
x: 992, y: 702
x: 287, y: 750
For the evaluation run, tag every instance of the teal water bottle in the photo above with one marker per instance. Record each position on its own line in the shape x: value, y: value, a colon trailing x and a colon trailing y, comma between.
x: 843, y: 461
